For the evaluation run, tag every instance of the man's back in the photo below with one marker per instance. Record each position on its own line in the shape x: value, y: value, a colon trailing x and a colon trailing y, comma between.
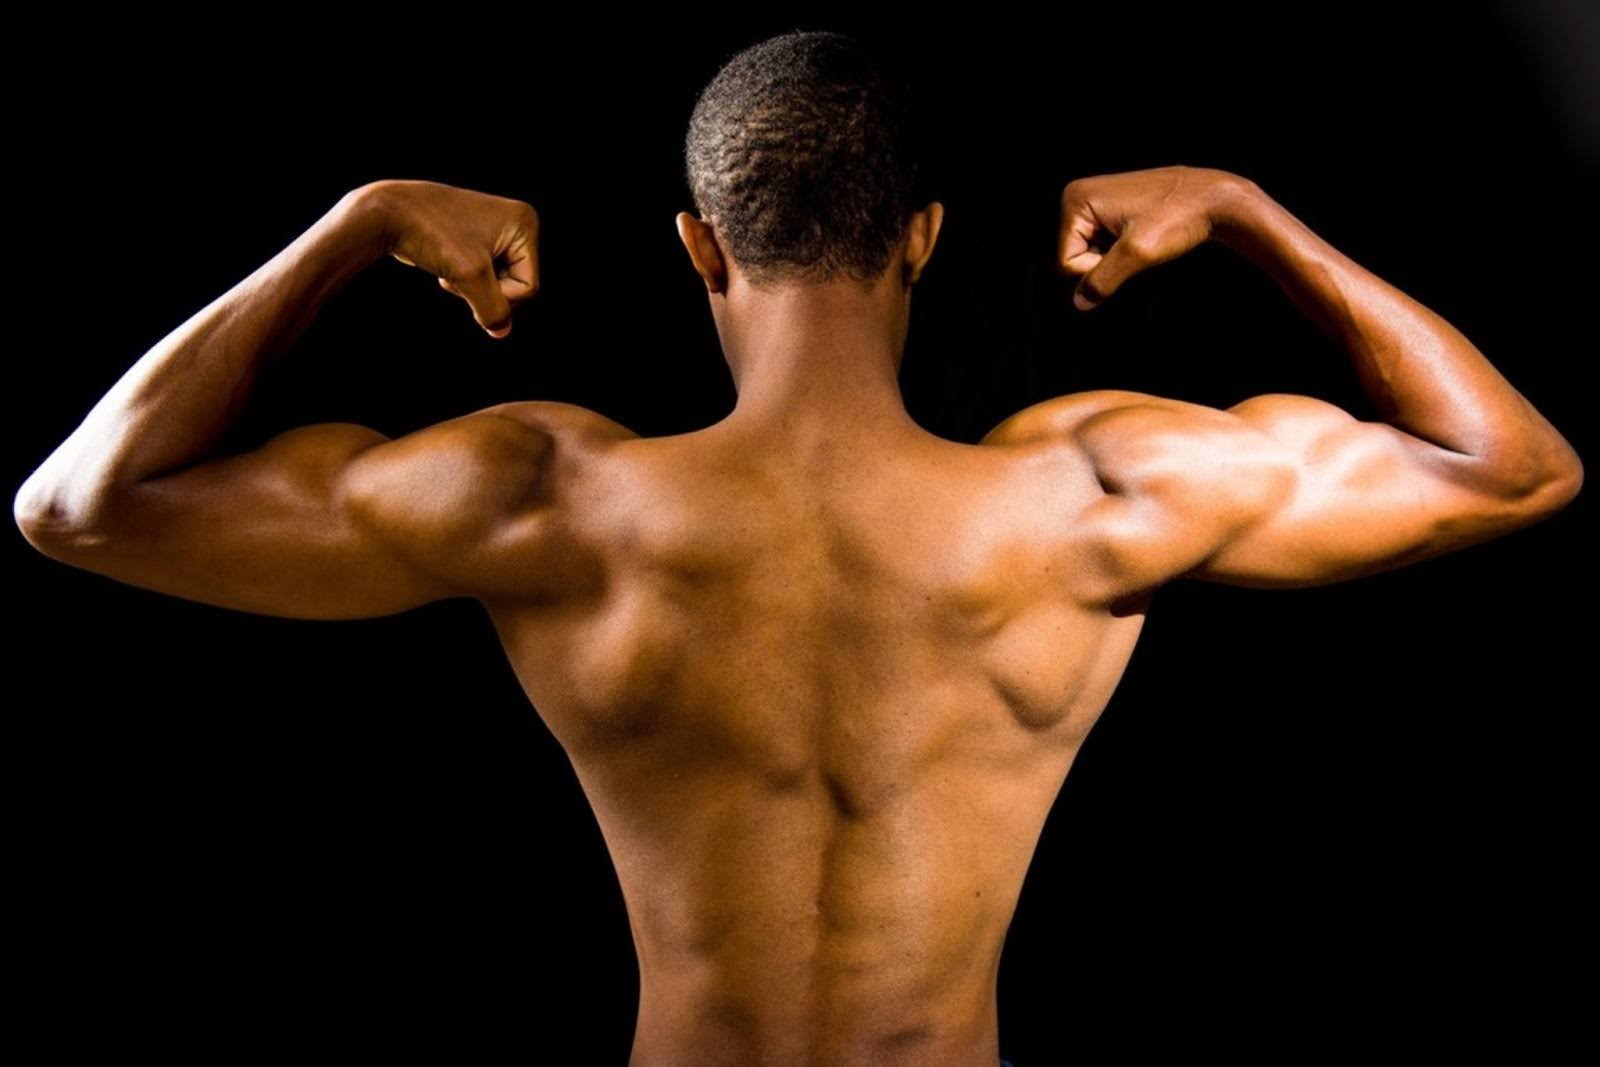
x: 821, y: 705
x: 820, y: 673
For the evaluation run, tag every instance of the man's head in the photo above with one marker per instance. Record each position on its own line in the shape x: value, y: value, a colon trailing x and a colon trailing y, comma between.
x: 805, y: 158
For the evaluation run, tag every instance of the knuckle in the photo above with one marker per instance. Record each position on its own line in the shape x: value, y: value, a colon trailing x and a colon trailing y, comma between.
x: 468, y: 268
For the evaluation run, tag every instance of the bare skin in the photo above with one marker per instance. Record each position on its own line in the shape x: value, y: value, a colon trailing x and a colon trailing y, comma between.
x: 821, y: 673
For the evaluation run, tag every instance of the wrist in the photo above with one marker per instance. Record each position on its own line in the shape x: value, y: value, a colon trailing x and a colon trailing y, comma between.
x: 1234, y: 207
x: 365, y: 215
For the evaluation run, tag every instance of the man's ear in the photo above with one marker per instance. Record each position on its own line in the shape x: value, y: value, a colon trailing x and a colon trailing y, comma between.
x: 701, y: 243
x: 922, y: 232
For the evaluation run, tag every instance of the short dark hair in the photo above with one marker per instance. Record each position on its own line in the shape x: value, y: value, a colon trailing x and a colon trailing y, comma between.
x: 807, y: 152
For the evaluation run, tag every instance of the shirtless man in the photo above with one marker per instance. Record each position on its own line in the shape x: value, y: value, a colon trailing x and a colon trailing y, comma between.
x: 820, y: 673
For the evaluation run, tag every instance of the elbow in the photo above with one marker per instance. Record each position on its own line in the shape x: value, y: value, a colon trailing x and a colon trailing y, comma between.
x: 35, y: 511
x: 1566, y: 478
x: 49, y: 523
x: 1535, y: 478
x: 1557, y: 489
x: 1564, y: 488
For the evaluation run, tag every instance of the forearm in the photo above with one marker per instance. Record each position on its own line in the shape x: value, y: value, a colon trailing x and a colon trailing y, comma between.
x: 176, y: 401
x: 1421, y: 373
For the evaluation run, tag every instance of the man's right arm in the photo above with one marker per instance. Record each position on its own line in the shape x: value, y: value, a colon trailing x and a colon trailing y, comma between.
x: 1283, y: 490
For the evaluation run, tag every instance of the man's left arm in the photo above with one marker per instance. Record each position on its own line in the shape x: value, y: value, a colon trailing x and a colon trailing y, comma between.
x: 305, y: 525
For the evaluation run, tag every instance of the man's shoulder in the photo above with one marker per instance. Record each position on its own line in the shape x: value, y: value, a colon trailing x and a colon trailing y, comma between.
x: 488, y: 498
x: 1055, y: 419
x: 561, y: 420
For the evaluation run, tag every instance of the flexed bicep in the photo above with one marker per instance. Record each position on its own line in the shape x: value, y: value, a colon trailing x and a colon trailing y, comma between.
x: 327, y: 521
x: 266, y: 531
x: 1279, y: 491
x: 1364, y: 497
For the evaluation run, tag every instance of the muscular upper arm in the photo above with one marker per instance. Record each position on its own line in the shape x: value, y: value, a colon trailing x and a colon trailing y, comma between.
x: 328, y: 521
x: 1360, y: 497
x: 1277, y: 491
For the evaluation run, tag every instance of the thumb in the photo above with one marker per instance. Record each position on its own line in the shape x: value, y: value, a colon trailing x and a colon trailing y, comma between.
x: 1106, y: 275
x: 480, y: 288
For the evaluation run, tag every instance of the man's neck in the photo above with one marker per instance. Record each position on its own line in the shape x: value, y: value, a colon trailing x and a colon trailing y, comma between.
x: 816, y: 363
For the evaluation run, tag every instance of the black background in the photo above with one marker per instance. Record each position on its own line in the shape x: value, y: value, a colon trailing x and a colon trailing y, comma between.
x: 1308, y: 819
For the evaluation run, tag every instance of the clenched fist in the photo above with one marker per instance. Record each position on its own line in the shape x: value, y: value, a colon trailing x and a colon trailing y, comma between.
x: 481, y: 247
x: 1147, y: 216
